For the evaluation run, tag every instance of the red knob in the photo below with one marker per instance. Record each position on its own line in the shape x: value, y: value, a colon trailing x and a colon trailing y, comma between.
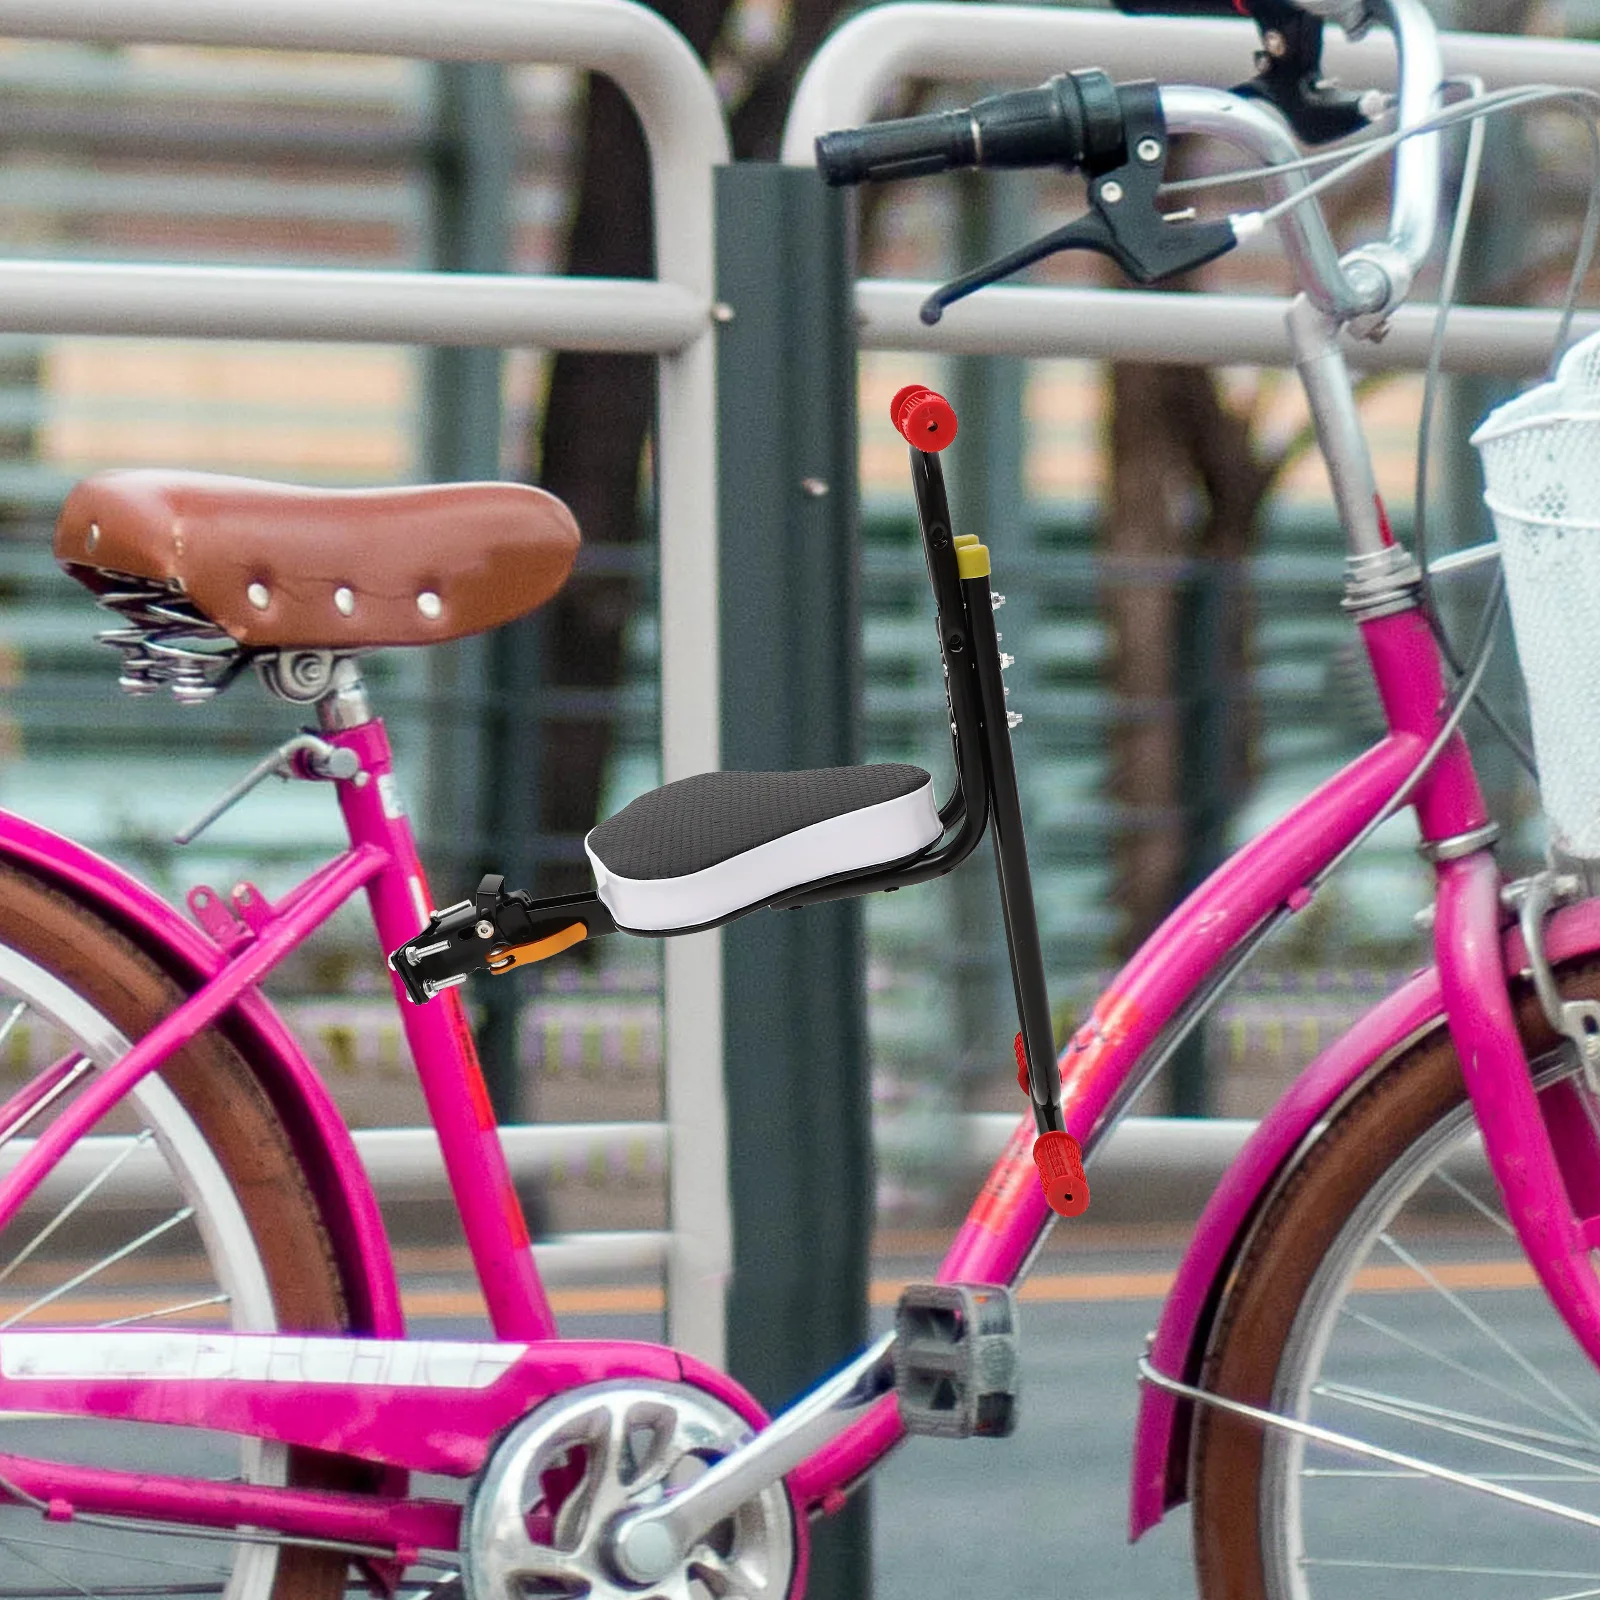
x: 1060, y: 1164
x: 923, y: 418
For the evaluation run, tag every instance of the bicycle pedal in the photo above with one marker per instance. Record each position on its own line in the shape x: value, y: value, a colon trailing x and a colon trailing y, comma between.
x: 955, y: 1360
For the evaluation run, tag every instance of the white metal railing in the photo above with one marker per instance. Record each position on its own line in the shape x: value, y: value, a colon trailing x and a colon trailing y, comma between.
x: 1189, y: 1154
x: 862, y: 60
x: 684, y: 132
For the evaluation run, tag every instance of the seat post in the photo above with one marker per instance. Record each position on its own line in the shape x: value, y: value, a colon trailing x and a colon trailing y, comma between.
x: 345, y: 705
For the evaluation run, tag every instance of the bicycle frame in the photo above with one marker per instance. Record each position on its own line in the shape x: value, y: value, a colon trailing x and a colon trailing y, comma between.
x: 438, y: 1406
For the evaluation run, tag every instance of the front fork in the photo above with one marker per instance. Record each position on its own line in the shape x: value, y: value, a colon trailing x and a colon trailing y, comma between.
x: 1542, y: 1148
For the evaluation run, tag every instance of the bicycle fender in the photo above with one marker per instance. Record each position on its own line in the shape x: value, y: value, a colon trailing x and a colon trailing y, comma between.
x: 1160, y: 1470
x: 322, y: 1141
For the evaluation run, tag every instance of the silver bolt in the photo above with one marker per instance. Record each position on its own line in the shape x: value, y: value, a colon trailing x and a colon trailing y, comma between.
x: 1111, y: 192
x: 816, y: 488
x: 259, y: 596
x: 484, y: 929
x: 1148, y: 150
x: 1275, y: 42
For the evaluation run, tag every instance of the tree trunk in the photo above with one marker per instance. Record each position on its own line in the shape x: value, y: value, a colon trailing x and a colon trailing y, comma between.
x: 599, y: 408
x: 1186, y: 486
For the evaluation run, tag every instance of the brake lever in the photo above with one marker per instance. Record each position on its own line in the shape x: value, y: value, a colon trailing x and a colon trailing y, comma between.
x: 1124, y: 223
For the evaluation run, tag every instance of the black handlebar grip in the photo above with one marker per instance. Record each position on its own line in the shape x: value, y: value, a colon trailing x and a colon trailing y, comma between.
x: 908, y: 147
x: 1021, y: 128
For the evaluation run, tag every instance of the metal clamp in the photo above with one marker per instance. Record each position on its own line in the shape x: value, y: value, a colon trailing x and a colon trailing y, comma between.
x: 1578, y: 1020
x: 1379, y: 583
x: 1459, y: 845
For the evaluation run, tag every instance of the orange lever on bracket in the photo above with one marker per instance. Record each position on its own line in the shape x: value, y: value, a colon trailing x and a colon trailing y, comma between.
x: 522, y: 955
x: 923, y: 418
x: 1060, y: 1163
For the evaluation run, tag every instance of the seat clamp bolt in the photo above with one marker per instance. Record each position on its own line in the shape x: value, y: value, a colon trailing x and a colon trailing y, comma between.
x: 484, y: 929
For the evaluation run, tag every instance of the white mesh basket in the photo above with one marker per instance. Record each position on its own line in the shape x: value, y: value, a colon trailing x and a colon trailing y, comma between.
x: 1541, y: 467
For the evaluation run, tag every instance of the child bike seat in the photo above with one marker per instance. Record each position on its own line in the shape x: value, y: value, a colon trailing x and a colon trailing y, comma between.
x: 704, y: 849
x: 276, y: 566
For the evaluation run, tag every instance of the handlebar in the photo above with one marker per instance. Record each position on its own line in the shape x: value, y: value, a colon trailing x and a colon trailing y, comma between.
x: 1070, y: 121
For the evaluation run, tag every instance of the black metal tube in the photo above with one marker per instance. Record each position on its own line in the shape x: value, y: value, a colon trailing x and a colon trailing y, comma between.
x: 967, y: 809
x: 1011, y: 863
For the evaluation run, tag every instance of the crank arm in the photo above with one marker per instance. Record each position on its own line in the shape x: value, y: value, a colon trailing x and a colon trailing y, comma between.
x: 647, y: 1545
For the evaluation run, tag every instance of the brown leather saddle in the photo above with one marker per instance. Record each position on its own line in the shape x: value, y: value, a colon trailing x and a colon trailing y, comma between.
x: 275, y: 566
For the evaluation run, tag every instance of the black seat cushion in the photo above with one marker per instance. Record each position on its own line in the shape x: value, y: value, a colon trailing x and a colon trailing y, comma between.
x: 698, y: 822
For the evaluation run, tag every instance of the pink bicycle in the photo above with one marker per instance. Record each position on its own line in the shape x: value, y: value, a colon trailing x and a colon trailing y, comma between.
x: 255, y: 1436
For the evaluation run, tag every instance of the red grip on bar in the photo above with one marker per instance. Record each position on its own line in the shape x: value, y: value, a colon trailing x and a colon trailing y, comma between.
x: 923, y: 418
x: 1060, y: 1164
x: 1022, y: 1066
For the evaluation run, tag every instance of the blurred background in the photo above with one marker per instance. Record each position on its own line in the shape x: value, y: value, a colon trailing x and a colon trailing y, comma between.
x: 1164, y: 537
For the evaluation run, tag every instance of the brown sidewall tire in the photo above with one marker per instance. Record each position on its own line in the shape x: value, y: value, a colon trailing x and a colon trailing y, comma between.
x: 1286, y: 1247
x: 219, y: 1089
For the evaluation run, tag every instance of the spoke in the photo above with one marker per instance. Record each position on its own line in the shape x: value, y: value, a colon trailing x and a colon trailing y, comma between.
x: 1442, y: 1360
x: 1495, y: 1337
x: 1488, y: 1477
x: 80, y: 1199
x: 217, y: 1575
x: 1515, y: 1430
x: 68, y: 1586
x: 1479, y: 1435
x: 13, y: 1017
x: 1429, y: 1566
x: 56, y: 1081
x: 140, y: 1591
x: 77, y: 1281
x: 167, y: 1311
x: 1460, y: 1189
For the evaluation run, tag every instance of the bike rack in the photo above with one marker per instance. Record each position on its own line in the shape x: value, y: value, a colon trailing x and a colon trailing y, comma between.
x: 669, y: 317
x: 951, y: 43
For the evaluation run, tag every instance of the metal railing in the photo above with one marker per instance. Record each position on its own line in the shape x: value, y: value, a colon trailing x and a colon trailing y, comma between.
x: 670, y: 317
x: 1189, y: 1155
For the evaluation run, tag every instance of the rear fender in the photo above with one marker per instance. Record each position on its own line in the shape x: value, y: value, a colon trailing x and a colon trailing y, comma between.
x: 1160, y: 1474
x: 326, y: 1152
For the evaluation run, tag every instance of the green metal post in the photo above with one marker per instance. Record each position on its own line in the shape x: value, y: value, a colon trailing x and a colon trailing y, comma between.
x: 796, y: 1070
x: 484, y: 743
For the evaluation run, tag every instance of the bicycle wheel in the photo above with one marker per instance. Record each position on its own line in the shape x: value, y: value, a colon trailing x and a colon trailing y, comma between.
x: 1383, y: 1296
x: 188, y: 1211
